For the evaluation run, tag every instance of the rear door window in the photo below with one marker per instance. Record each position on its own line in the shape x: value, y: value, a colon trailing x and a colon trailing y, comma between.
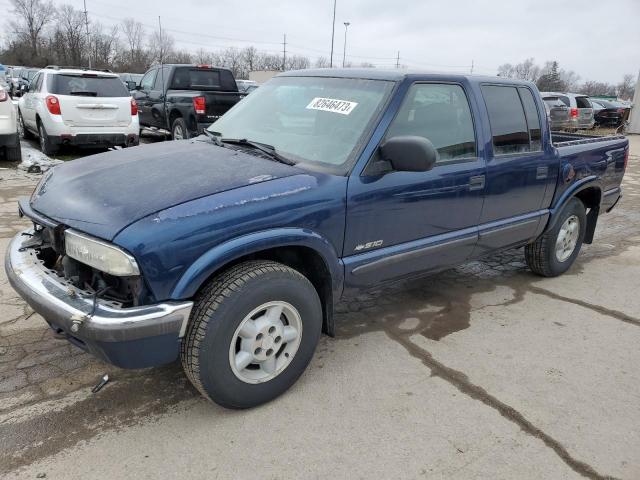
x: 87, y: 85
x: 507, y: 119
x: 532, y: 117
x: 441, y: 114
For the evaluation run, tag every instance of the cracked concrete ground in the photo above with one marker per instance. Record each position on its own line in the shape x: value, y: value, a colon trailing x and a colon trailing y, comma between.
x: 484, y: 371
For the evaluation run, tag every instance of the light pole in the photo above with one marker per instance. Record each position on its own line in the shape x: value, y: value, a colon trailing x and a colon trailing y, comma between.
x: 344, y: 53
x: 333, y: 32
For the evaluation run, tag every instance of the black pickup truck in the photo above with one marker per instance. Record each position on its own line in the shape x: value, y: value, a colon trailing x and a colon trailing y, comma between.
x: 184, y: 99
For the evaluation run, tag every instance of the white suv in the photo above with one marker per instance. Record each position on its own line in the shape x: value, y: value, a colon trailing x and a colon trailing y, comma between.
x: 78, y: 107
x: 9, y: 139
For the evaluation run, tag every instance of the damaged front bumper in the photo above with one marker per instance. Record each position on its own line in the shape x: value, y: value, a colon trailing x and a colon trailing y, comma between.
x: 135, y: 337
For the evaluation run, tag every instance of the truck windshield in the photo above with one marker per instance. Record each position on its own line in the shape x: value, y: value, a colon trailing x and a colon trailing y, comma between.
x: 312, y: 120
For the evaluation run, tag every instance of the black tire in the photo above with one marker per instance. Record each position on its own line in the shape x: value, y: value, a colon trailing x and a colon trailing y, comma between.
x: 541, y: 254
x: 14, y: 154
x: 179, y: 130
x: 218, y: 311
x: 46, y: 146
x: 24, y: 132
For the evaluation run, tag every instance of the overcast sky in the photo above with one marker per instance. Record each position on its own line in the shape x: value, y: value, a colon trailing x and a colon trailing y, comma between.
x: 598, y: 39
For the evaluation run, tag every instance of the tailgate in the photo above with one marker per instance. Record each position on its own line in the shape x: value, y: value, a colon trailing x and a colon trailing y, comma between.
x: 218, y: 103
x: 95, y: 112
x: 559, y: 114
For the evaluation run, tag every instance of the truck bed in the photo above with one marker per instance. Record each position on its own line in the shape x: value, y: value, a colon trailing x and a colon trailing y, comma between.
x: 564, y: 139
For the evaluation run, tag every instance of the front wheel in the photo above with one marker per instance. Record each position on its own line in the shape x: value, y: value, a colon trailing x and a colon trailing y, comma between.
x: 554, y: 252
x: 252, y: 333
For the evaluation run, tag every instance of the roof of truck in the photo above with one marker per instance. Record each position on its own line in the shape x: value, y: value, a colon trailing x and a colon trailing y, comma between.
x: 394, y: 75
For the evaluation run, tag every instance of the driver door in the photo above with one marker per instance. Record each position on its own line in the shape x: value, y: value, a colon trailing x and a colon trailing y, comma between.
x: 142, y: 96
x: 404, y: 223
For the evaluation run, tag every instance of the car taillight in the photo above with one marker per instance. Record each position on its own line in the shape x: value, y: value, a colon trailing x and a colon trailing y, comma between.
x: 53, y: 105
x: 200, y: 105
x: 574, y: 112
x: 134, y: 107
x: 3, y: 96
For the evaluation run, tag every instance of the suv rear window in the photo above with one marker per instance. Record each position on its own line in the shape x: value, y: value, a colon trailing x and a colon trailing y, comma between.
x: 86, y: 85
x: 192, y: 78
x: 554, y: 102
x: 583, y: 102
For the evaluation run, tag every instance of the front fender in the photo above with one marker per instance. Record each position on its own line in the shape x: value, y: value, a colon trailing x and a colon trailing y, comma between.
x: 216, y: 258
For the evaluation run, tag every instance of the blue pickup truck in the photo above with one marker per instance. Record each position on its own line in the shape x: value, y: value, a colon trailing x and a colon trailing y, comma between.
x: 230, y: 250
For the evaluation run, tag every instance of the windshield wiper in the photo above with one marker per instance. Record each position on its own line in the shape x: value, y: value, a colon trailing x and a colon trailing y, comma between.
x: 270, y: 150
x: 214, y: 138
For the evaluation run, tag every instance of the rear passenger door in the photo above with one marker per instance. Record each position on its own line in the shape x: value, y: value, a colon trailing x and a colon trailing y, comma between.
x: 405, y: 223
x: 520, y: 168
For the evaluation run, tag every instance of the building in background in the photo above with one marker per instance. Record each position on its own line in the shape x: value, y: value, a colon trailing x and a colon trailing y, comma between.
x: 634, y: 119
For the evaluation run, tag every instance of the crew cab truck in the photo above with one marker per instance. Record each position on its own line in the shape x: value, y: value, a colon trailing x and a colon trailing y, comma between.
x: 184, y: 99
x: 319, y: 184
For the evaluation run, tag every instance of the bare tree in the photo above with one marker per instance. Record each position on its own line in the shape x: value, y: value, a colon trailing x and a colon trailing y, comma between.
x: 593, y: 88
x: 32, y: 17
x: 70, y: 33
x: 626, y: 87
x: 321, y: 62
x: 134, y: 54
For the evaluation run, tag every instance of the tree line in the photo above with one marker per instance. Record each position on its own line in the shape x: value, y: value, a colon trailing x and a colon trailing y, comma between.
x: 41, y: 34
x: 549, y: 77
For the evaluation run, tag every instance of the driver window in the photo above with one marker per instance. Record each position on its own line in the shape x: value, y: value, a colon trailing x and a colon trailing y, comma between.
x: 441, y: 114
x: 147, y: 81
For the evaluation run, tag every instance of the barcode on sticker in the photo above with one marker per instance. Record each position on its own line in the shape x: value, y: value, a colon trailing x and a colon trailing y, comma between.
x: 343, y: 107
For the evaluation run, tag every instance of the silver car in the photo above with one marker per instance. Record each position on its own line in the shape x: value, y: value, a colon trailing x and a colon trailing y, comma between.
x: 580, y: 109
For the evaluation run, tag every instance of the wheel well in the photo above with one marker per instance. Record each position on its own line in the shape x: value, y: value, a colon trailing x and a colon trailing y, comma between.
x: 172, y: 116
x: 310, y: 264
x: 590, y: 198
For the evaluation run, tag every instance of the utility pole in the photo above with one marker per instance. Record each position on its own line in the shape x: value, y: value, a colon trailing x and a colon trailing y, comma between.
x: 284, y: 53
x: 472, y: 66
x: 398, y: 60
x: 344, y: 54
x: 333, y: 32
x: 86, y: 23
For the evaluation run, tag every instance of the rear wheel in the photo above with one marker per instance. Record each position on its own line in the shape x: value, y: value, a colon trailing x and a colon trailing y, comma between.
x: 179, y: 130
x: 554, y: 252
x: 45, y: 143
x: 252, y: 333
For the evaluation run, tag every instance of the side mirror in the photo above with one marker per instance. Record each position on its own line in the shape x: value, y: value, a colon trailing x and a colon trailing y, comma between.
x: 131, y: 85
x: 409, y: 153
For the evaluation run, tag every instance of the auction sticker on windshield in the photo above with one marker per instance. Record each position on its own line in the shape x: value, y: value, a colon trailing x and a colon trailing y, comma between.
x: 343, y: 107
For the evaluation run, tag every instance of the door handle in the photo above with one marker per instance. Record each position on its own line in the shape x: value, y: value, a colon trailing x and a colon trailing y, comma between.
x: 541, y: 173
x: 476, y: 183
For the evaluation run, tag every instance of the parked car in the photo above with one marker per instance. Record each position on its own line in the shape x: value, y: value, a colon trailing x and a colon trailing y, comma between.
x: 557, y: 113
x: 607, y: 114
x: 13, y: 79
x: 131, y: 80
x: 231, y: 250
x: 580, y: 109
x: 26, y: 75
x: 9, y: 139
x: 244, y: 85
x: 87, y: 108
x: 185, y: 99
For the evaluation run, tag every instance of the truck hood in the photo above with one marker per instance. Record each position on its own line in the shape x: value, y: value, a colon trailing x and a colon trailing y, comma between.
x: 104, y: 193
